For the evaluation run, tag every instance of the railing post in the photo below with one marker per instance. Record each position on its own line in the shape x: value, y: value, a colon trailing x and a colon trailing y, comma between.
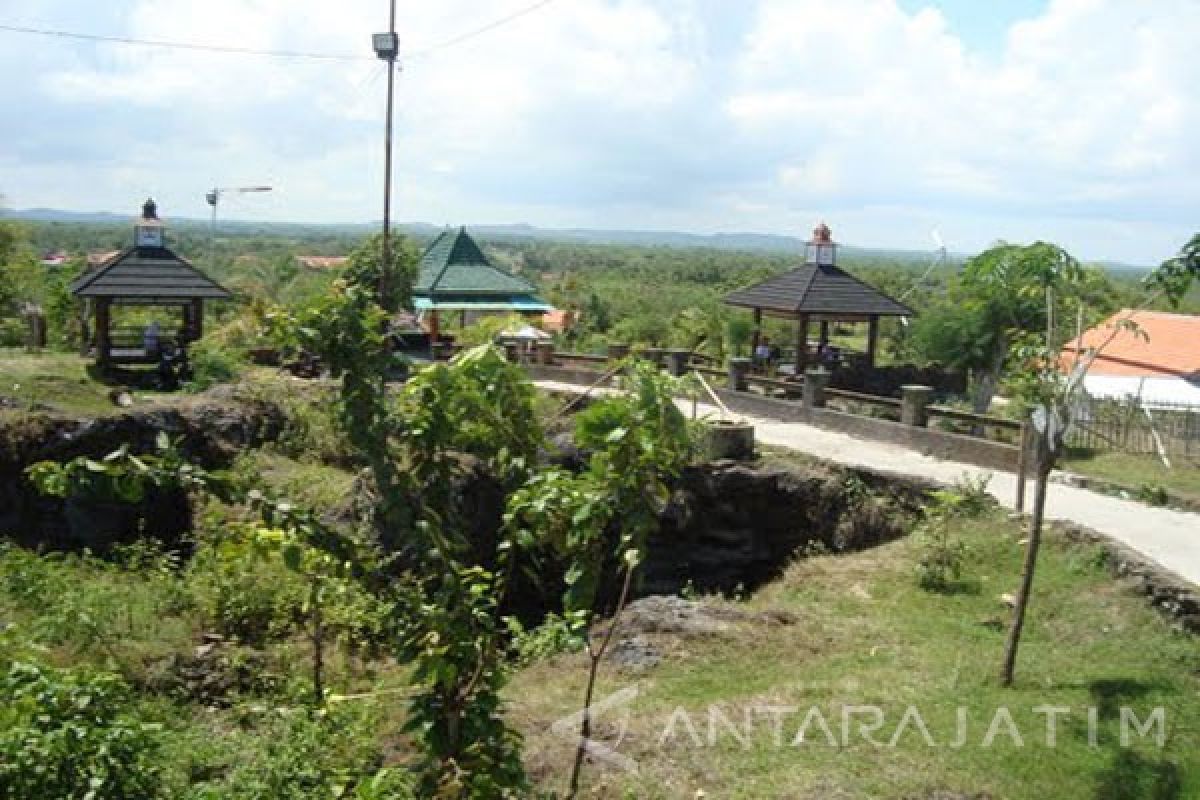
x: 738, y: 369
x: 616, y: 352
x: 545, y: 353
x: 1022, y: 466
x: 677, y: 362
x: 816, y: 380
x: 914, y: 402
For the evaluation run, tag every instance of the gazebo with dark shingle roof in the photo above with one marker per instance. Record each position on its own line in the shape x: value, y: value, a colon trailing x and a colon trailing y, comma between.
x: 455, y: 275
x: 818, y: 291
x: 145, y: 274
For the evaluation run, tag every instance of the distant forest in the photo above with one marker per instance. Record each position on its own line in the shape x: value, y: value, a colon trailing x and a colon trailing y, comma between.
x: 657, y: 295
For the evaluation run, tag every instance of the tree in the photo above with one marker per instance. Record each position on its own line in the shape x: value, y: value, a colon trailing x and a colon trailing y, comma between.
x: 601, y: 519
x: 1041, y: 384
x: 365, y: 269
x: 1002, y: 291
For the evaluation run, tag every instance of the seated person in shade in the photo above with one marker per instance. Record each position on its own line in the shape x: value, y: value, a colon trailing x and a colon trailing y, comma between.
x: 762, y: 353
x: 150, y: 339
x: 828, y: 354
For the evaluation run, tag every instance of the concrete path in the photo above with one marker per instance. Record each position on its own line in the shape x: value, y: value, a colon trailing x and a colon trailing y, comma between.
x: 1170, y: 538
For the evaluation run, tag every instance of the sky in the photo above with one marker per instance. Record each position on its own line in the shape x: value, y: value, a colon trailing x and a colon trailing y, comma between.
x: 894, y: 121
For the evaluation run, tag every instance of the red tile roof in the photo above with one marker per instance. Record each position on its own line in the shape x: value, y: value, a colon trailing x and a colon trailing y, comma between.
x: 1166, y: 345
x: 323, y: 262
x: 558, y: 320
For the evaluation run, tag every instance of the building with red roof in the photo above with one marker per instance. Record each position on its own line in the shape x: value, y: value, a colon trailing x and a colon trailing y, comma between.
x: 1158, y: 362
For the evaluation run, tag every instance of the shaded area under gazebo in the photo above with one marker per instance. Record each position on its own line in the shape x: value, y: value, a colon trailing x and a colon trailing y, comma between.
x: 822, y: 293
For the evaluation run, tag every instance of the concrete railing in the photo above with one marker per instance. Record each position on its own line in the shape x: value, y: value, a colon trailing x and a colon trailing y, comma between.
x: 903, y: 420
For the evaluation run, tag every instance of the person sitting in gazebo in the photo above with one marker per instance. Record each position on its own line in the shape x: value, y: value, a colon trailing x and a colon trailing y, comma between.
x: 762, y: 354
x: 150, y: 339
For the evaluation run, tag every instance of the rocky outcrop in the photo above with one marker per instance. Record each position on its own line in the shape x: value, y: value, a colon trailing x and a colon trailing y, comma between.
x: 209, y: 429
x: 733, y: 526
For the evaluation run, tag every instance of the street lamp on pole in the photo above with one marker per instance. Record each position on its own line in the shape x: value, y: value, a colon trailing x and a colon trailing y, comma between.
x: 213, y: 197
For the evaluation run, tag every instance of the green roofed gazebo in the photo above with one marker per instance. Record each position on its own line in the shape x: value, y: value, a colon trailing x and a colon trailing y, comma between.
x: 819, y: 291
x: 146, y: 274
x: 455, y: 275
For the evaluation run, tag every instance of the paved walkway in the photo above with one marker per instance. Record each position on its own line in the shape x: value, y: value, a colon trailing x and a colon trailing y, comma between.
x: 1171, y: 538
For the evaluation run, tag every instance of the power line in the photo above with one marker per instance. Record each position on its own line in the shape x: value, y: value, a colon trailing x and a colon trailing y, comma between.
x: 208, y: 48
x: 471, y: 34
x: 250, y: 51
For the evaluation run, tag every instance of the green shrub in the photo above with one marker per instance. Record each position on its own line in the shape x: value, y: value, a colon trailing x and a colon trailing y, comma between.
x: 1152, y: 494
x: 298, y: 755
x: 243, y: 598
x: 942, y: 556
x: 13, y: 332
x: 212, y: 364
x: 67, y: 734
x: 312, y: 432
x: 557, y: 634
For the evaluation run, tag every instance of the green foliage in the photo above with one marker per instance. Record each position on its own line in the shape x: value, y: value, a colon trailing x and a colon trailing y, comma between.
x: 308, y: 755
x: 243, y: 598
x: 1002, y: 293
x: 69, y: 734
x: 120, y: 476
x: 485, y: 329
x: 557, y: 634
x: 942, y: 555
x: 365, y: 269
x: 1153, y: 494
x: 212, y: 364
x: 1175, y: 277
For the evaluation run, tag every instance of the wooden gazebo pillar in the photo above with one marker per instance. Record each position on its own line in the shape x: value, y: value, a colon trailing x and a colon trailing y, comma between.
x: 872, y: 338
x: 754, y: 339
x: 197, y: 319
x: 103, y: 339
x: 801, y: 343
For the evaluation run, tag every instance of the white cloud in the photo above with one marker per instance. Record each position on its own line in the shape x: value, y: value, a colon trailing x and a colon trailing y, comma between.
x: 649, y: 113
x: 1088, y: 106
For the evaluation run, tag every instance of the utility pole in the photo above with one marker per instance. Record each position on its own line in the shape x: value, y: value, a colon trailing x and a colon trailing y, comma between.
x: 387, y: 47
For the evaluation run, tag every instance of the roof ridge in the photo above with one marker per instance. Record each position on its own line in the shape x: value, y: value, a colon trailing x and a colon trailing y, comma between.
x: 445, y: 262
x: 812, y: 276
x: 89, y: 277
x: 866, y: 285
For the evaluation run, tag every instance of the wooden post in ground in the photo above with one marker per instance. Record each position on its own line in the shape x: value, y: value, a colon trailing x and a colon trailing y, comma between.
x: 1022, y: 466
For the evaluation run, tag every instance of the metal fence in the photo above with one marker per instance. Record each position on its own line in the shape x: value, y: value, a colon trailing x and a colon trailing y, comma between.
x: 1129, y: 427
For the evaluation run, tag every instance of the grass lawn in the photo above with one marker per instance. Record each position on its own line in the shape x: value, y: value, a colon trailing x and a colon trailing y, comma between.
x: 60, y: 380
x: 866, y: 635
x: 1136, y: 471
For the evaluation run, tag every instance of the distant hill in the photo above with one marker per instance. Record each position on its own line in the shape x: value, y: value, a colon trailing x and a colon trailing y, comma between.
x: 744, y: 241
